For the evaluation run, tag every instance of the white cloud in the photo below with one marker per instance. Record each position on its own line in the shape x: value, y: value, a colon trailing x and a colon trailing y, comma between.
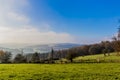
x: 11, y: 13
x: 32, y: 36
x: 17, y: 17
x: 15, y: 26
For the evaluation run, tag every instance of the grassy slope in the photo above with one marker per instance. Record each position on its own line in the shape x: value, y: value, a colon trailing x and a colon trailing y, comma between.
x: 99, y: 58
x: 101, y: 71
x: 83, y: 71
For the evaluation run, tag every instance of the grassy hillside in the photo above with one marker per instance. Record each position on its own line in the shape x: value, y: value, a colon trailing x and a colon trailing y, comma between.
x: 98, y: 58
x: 80, y: 71
x: 101, y: 71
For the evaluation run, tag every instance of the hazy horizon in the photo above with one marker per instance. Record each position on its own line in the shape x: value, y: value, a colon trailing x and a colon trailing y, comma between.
x: 24, y: 45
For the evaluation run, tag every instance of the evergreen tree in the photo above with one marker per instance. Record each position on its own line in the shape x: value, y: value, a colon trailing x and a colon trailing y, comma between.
x: 35, y: 58
x: 20, y: 58
x: 6, y: 57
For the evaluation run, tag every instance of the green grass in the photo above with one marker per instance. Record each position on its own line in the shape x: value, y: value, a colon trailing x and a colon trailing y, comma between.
x: 108, y: 68
x: 86, y: 71
x: 99, y: 58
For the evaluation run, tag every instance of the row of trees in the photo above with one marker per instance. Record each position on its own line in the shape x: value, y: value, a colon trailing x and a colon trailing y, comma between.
x: 6, y: 57
x: 105, y: 47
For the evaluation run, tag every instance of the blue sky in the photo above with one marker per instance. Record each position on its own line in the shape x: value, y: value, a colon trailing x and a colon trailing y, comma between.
x: 82, y: 18
x: 58, y: 21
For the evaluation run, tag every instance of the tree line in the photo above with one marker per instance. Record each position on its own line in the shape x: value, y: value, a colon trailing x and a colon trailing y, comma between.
x: 105, y: 47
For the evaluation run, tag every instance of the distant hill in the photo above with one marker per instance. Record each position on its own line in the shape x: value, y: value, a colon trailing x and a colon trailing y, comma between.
x: 47, y: 47
x: 44, y: 48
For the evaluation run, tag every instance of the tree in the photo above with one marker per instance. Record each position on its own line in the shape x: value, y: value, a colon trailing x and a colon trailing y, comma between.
x: 95, y: 49
x: 84, y: 50
x: 51, y: 56
x: 35, y: 58
x: 108, y: 47
x: 1, y: 54
x: 6, y: 57
x: 104, y: 52
x: 70, y: 55
x: 20, y: 58
x: 116, y: 45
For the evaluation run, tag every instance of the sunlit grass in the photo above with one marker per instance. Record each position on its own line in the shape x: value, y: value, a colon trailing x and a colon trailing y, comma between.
x: 98, y: 58
x: 79, y: 71
x: 101, y: 71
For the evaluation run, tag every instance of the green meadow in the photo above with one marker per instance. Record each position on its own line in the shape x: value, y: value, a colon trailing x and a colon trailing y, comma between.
x: 75, y: 71
x: 86, y: 71
x: 100, y: 58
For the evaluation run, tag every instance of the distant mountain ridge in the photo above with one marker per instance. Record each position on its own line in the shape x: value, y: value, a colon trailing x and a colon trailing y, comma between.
x: 47, y: 47
x: 44, y: 48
